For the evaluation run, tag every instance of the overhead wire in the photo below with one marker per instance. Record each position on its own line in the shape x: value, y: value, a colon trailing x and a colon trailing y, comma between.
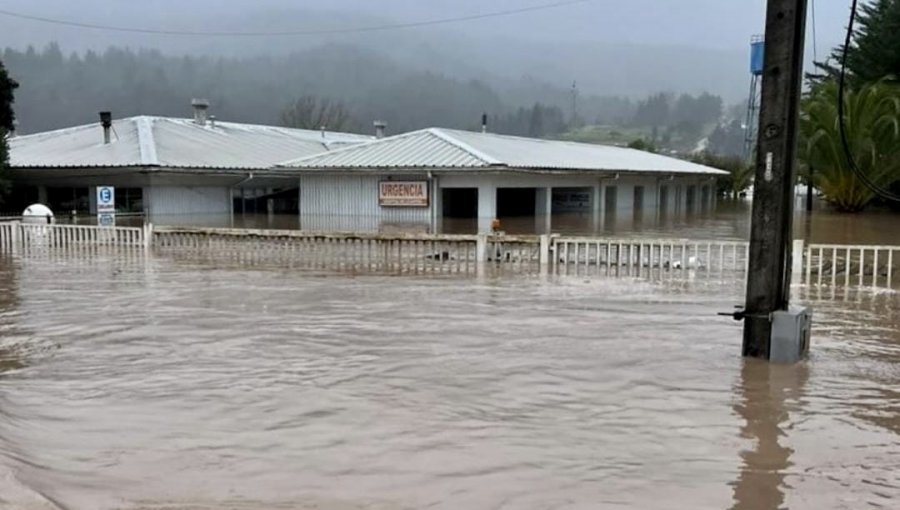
x: 815, y: 38
x: 288, y: 33
x: 842, y: 120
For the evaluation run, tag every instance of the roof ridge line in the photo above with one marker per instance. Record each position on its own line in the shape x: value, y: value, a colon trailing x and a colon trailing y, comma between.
x: 146, y: 141
x: 340, y: 150
x: 464, y: 146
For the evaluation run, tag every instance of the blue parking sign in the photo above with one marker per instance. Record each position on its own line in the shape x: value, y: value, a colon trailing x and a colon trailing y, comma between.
x: 106, y: 200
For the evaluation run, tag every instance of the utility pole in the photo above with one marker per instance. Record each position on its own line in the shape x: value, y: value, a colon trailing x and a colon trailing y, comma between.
x: 769, y: 275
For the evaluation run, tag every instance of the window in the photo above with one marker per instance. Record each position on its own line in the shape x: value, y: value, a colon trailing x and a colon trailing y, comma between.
x: 610, y: 201
x: 67, y: 200
x: 638, y: 198
x: 129, y: 200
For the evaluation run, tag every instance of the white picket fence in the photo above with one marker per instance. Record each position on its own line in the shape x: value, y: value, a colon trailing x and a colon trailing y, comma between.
x: 667, y: 254
x: 842, y: 265
x: 814, y: 264
x: 16, y: 237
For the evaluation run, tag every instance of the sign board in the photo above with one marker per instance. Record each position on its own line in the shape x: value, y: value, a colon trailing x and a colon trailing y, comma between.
x: 106, y: 206
x: 568, y: 200
x: 106, y: 200
x: 403, y: 193
x: 106, y: 220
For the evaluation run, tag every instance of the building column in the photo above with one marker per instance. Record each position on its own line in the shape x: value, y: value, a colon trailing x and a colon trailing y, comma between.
x: 487, y: 206
x: 597, y: 206
x: 92, y: 200
x: 543, y: 210
x: 437, y: 205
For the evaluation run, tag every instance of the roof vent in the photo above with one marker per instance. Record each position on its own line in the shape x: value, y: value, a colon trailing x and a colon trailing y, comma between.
x: 106, y: 122
x: 212, y: 121
x: 380, y: 127
x: 484, y: 119
x: 200, y: 107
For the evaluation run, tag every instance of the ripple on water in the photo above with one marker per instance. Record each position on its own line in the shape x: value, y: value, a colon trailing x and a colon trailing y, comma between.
x: 169, y: 385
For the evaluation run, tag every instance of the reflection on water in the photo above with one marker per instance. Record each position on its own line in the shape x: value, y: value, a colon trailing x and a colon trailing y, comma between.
x: 767, y: 393
x: 151, y: 383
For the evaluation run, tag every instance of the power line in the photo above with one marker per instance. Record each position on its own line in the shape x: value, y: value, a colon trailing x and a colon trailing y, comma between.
x: 815, y: 38
x: 842, y: 121
x: 375, y: 28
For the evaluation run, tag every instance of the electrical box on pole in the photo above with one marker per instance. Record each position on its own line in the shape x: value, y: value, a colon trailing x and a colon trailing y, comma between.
x: 769, y: 275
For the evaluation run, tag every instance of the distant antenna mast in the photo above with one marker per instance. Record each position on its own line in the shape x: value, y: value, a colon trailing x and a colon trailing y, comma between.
x: 574, y: 103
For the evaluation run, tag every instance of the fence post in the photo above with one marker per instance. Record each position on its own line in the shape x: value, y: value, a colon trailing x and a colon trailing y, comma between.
x: 545, y: 250
x: 546, y: 247
x: 481, y: 248
x: 797, y: 261
x: 148, y: 235
x: 14, y: 235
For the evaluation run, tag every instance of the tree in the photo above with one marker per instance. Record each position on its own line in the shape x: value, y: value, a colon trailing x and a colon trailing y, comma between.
x: 728, y: 139
x: 873, y: 132
x: 693, y: 113
x: 539, y: 121
x: 7, y: 120
x: 740, y: 172
x: 655, y: 111
x: 642, y: 145
x: 875, y: 53
x: 311, y: 112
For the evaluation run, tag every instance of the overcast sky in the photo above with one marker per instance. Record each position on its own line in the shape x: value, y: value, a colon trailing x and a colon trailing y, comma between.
x: 720, y: 24
x: 562, y: 39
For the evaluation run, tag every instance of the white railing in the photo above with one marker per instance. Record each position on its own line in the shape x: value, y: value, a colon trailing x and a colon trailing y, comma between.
x: 413, y: 253
x: 844, y: 265
x: 15, y: 236
x: 814, y: 264
x: 714, y: 257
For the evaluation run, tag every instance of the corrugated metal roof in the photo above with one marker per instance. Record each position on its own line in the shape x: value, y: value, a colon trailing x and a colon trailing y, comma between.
x: 450, y: 149
x: 170, y: 142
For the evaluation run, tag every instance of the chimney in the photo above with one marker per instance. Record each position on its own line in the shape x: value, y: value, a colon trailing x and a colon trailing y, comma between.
x: 380, y: 127
x: 15, y: 127
x: 106, y: 122
x: 212, y: 121
x: 484, y: 122
x: 200, y: 107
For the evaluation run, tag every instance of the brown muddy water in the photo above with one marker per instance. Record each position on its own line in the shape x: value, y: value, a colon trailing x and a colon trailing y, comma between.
x: 729, y: 221
x: 161, y: 384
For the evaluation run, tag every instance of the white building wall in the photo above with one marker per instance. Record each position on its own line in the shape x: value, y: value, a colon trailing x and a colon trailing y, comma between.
x: 179, y: 204
x: 350, y: 203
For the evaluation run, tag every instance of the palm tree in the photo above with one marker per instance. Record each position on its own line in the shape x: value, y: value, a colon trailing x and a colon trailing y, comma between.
x: 872, y: 116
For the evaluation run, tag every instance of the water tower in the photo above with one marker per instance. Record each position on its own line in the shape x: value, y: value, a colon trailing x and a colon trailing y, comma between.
x: 751, y: 124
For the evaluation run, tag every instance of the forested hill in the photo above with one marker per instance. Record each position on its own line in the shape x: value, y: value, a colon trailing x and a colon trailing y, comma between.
x: 59, y: 90
x: 342, y: 86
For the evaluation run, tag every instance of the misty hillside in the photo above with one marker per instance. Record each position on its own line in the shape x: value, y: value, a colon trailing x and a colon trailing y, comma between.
x: 610, y: 48
x: 59, y: 90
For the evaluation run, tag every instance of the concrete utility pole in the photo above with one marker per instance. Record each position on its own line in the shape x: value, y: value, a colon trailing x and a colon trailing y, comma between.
x: 769, y: 276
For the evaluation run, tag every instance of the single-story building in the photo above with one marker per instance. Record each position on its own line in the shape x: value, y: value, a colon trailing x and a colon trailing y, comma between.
x: 423, y: 178
x: 172, y: 170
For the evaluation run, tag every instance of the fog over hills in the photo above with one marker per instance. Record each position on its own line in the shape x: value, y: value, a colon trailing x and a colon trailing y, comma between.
x: 610, y: 47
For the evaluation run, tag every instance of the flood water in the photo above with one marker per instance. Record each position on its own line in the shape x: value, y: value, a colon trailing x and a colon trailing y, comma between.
x: 162, y: 384
x: 730, y: 220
